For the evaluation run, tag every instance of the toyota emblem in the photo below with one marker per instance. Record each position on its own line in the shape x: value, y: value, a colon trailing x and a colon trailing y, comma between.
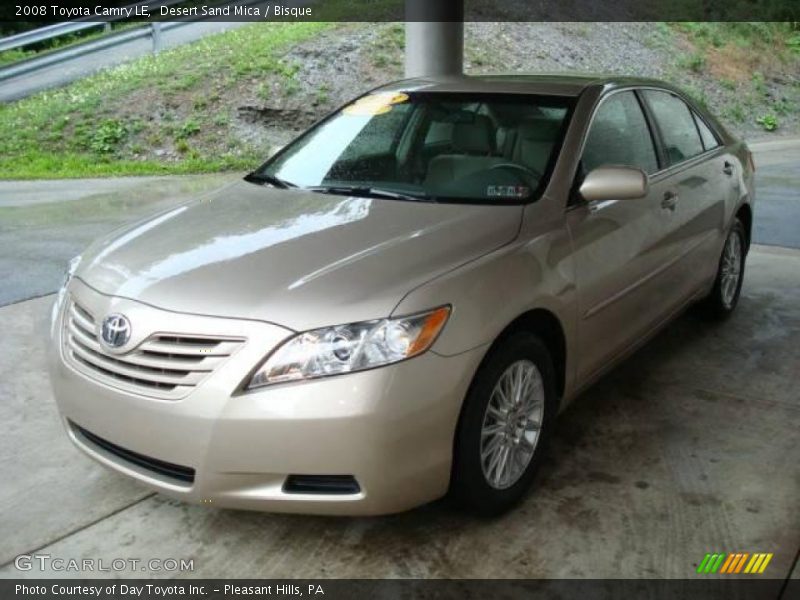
x: 116, y: 331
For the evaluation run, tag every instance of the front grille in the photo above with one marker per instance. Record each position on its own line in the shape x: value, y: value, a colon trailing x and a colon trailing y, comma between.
x: 165, y: 365
x: 321, y: 484
x: 160, y: 467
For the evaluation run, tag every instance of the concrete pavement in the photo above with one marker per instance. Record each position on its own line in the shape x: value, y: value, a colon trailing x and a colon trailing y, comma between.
x: 689, y: 447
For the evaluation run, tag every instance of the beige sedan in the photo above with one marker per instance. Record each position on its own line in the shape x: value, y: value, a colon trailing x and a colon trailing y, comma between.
x: 398, y: 304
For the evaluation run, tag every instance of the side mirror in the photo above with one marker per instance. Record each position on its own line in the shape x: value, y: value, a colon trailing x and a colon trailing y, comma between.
x: 614, y: 183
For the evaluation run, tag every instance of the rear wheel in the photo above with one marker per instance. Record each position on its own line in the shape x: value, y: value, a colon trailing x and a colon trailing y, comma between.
x: 723, y: 299
x: 505, y: 424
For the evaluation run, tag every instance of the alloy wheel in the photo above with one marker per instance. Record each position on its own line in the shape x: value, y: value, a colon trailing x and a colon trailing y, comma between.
x: 731, y: 269
x: 512, y: 423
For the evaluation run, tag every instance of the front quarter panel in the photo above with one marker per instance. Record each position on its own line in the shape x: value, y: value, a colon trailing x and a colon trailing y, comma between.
x: 488, y: 294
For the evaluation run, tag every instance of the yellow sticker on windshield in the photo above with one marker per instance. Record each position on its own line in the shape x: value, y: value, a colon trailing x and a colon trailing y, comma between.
x: 375, y: 104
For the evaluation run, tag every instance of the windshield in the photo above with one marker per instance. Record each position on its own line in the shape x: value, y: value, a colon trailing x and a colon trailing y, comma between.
x: 444, y: 147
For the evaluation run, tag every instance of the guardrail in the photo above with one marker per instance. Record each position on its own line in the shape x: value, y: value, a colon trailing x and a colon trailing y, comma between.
x: 152, y: 30
x: 35, y: 63
x: 43, y: 34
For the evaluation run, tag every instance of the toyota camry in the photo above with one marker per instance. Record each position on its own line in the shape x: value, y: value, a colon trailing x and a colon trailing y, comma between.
x: 398, y: 304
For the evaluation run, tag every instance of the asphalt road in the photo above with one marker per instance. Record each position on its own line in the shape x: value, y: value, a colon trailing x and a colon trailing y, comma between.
x: 777, y: 214
x: 43, y: 224
x: 70, y: 70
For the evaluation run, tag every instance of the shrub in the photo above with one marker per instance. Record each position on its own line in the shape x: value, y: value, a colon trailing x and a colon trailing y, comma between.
x: 768, y: 122
x: 108, y: 136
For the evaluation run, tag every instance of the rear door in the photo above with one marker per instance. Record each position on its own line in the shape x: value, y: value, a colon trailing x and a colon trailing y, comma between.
x: 623, y: 249
x: 702, y: 178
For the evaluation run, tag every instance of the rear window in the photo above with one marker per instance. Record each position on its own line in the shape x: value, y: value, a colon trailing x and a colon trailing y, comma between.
x: 676, y: 124
x: 710, y: 141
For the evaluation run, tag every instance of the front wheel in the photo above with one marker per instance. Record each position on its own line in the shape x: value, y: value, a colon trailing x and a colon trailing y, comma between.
x: 723, y: 299
x: 506, y: 421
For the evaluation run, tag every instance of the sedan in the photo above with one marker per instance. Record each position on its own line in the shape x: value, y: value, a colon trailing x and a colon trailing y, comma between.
x: 396, y: 306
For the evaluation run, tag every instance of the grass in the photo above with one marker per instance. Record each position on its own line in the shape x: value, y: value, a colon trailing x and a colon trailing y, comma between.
x: 695, y: 61
x: 89, y: 128
x: 746, y: 59
x: 742, y: 34
x: 72, y: 166
x: 734, y: 50
x: 387, y: 49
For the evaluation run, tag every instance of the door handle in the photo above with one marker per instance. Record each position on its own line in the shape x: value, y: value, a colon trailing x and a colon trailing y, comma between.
x: 669, y: 201
x: 727, y: 168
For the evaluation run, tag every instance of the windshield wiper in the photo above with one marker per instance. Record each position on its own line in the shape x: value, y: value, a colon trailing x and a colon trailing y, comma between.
x: 369, y: 192
x: 262, y: 178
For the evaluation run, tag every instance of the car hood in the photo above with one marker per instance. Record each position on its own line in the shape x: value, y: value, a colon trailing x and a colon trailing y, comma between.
x: 298, y: 259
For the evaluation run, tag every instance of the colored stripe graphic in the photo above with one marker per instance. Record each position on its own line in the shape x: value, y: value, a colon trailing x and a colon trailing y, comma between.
x: 740, y: 564
x: 727, y: 563
x: 734, y: 563
x: 701, y: 568
x: 710, y: 563
x: 764, y: 564
x: 755, y: 563
x: 717, y: 563
x: 732, y: 558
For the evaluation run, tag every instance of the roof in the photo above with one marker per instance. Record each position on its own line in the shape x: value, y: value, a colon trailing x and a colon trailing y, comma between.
x: 543, y: 83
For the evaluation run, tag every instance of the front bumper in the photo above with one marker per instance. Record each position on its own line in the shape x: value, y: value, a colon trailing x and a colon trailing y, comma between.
x: 391, y: 428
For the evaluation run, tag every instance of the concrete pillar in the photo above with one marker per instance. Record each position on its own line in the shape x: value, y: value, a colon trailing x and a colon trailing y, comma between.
x: 434, y: 37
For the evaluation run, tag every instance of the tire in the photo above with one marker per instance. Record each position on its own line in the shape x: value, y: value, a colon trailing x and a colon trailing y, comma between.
x: 724, y: 297
x: 474, y: 485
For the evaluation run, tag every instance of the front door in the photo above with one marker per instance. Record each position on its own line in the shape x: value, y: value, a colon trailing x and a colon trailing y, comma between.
x: 623, y: 249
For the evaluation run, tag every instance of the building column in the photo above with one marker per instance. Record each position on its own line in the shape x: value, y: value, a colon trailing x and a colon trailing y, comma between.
x: 434, y: 37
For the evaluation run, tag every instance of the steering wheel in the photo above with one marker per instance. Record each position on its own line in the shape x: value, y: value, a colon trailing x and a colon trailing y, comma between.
x: 517, y: 167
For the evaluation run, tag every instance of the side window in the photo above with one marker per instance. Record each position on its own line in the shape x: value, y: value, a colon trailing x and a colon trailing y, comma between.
x: 676, y: 124
x: 619, y: 135
x: 709, y: 139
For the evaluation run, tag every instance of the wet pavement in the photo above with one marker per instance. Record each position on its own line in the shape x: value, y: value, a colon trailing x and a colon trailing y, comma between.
x: 43, y: 224
x: 689, y: 447
x: 777, y: 221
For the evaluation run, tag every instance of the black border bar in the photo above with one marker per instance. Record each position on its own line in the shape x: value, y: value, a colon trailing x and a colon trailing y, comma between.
x: 700, y: 588
x: 51, y: 11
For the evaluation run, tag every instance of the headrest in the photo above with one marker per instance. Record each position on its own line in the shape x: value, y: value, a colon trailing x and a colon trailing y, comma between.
x: 539, y: 130
x: 475, y: 137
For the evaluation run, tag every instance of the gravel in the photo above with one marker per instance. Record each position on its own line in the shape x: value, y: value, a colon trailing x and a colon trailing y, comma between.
x: 350, y: 59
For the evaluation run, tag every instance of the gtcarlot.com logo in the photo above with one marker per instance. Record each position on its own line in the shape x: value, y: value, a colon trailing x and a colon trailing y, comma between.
x: 47, y: 562
x: 734, y: 563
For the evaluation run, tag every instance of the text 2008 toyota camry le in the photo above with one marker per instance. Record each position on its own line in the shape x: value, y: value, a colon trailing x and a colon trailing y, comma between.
x: 399, y: 303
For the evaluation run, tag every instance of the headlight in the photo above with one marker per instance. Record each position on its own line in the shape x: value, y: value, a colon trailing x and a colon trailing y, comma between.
x: 62, y: 291
x: 349, y: 348
x: 71, y: 268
